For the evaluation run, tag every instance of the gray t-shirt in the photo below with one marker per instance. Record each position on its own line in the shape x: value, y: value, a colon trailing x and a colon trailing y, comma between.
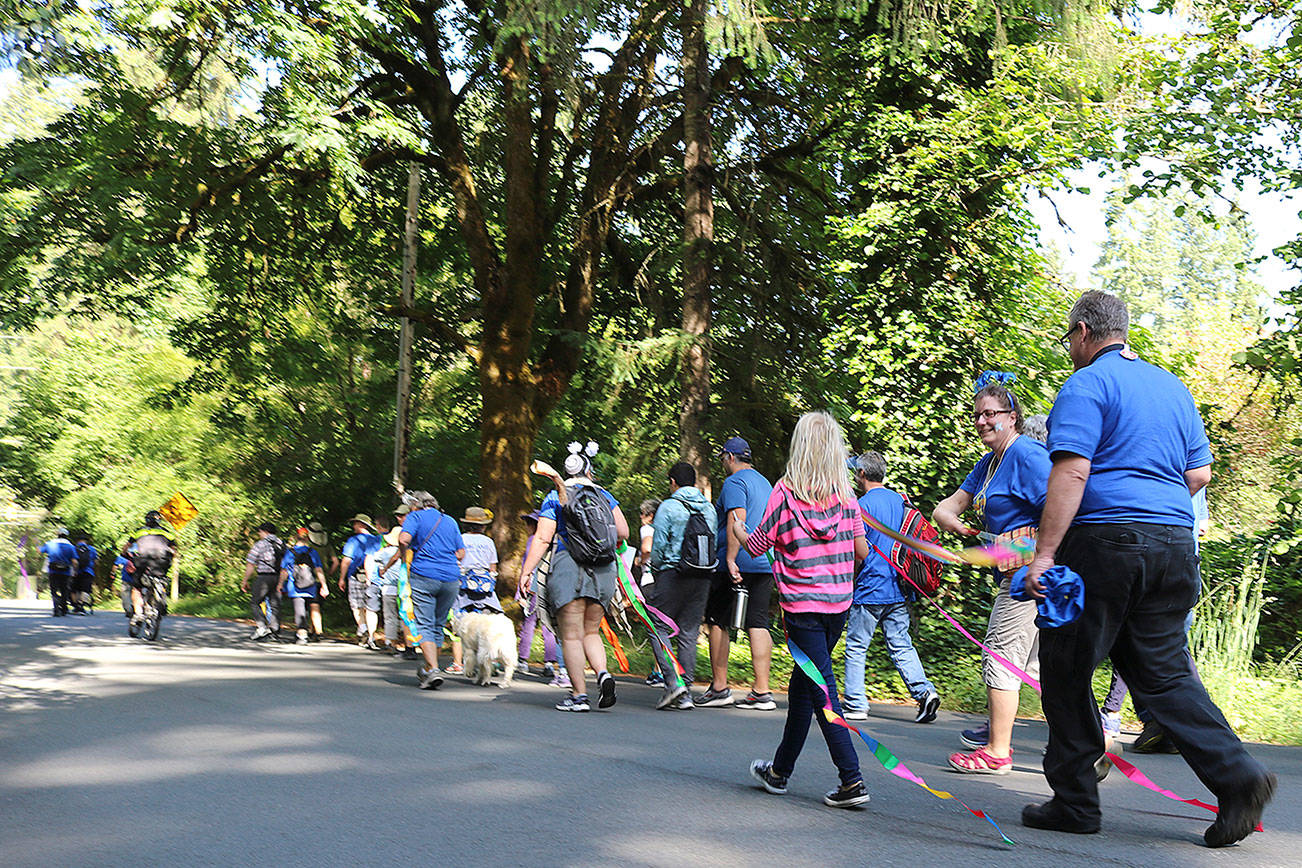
x: 263, y: 555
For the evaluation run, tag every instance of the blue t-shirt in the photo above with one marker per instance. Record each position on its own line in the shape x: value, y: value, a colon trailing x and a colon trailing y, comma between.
x: 358, y: 546
x: 746, y: 489
x: 1140, y: 429
x: 90, y: 562
x: 877, y: 583
x: 435, y: 540
x: 551, y: 508
x: 1015, y: 494
x: 120, y: 566
x: 287, y: 564
x: 62, y: 555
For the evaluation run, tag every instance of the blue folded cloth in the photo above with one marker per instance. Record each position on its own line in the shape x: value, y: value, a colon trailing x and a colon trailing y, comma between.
x: 1064, y: 595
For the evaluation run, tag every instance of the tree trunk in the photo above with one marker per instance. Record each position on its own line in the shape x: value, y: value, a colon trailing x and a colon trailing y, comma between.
x: 698, y: 238
x: 402, y: 427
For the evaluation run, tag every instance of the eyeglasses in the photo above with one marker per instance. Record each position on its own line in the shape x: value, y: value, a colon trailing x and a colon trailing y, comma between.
x: 1065, y: 340
x: 987, y: 415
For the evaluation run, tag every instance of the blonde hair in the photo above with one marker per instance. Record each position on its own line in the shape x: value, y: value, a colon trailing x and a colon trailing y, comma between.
x: 816, y: 468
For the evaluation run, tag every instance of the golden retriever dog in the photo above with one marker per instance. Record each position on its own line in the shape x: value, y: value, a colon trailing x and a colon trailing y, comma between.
x: 486, y: 638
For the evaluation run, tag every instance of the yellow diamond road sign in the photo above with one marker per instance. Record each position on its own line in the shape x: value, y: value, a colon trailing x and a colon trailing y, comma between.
x: 178, y: 511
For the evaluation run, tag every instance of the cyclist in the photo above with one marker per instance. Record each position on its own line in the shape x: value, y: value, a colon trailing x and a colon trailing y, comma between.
x: 151, y: 549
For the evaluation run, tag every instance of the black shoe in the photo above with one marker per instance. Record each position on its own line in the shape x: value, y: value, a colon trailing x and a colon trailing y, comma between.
x: 1102, y: 768
x: 408, y: 654
x: 606, y: 690
x: 928, y: 706
x: 847, y: 796
x: 1153, y: 740
x: 1240, y: 813
x: 762, y: 771
x: 1054, y: 817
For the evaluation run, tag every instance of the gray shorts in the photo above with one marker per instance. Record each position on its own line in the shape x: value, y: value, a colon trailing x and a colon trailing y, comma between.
x: 357, y: 586
x: 569, y: 581
x: 1012, y: 634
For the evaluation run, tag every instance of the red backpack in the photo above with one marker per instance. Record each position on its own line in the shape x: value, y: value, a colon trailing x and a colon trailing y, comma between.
x: 924, y: 571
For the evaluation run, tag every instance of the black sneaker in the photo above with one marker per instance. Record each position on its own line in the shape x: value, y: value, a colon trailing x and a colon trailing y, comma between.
x: 669, y: 698
x: 429, y: 679
x: 1053, y: 816
x: 655, y: 679
x: 606, y: 690
x: 1240, y: 813
x: 928, y: 706
x: 574, y: 703
x: 409, y: 654
x: 1153, y: 740
x: 762, y: 771
x: 847, y: 796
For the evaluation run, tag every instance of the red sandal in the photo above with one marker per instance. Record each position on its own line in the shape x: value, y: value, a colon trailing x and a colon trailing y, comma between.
x: 980, y: 762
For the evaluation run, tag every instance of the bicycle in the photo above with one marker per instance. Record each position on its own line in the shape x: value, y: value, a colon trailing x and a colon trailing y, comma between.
x: 153, y: 605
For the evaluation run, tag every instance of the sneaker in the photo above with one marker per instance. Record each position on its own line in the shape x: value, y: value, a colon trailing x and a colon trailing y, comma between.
x: 300, y: 640
x: 655, y: 679
x: 560, y: 679
x: 712, y: 698
x: 549, y: 671
x: 1102, y: 768
x: 371, y: 644
x: 260, y: 633
x: 756, y: 702
x: 976, y: 739
x: 454, y: 669
x: 606, y: 690
x: 1153, y: 740
x: 428, y: 679
x: 1240, y: 812
x: 669, y: 698
x: 684, y: 702
x: 855, y: 715
x: 847, y: 796
x: 409, y: 654
x: 762, y: 771
x: 574, y: 703
x: 928, y: 706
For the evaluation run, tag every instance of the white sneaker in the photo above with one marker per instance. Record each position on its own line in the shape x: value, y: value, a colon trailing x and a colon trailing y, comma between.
x: 259, y: 633
x: 855, y: 715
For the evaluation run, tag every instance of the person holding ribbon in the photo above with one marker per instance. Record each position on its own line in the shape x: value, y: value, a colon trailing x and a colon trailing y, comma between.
x: 1128, y: 450
x: 1006, y: 491
x: 811, y: 523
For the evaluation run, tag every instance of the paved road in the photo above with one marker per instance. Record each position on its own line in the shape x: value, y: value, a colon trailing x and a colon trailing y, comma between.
x: 205, y: 749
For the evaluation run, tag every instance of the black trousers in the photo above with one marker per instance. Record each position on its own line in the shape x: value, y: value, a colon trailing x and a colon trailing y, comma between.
x: 1141, y: 580
x: 682, y: 598
x: 60, y: 584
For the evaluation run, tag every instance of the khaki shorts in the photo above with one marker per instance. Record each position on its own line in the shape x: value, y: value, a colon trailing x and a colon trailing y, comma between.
x: 1012, y: 634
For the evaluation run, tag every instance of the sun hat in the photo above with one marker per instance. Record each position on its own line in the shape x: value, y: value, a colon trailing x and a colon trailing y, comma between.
x: 478, y: 515
x: 401, y: 509
x: 316, y: 533
x: 391, y: 538
x: 363, y: 518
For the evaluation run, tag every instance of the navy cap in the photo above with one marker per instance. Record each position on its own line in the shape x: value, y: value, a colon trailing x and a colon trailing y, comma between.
x: 736, y: 446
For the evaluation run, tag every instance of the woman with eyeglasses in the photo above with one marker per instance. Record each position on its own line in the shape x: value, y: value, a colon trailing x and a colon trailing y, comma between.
x: 1006, y: 491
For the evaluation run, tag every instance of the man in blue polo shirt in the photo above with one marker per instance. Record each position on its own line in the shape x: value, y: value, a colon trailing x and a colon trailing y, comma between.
x: 61, y: 563
x: 1128, y: 450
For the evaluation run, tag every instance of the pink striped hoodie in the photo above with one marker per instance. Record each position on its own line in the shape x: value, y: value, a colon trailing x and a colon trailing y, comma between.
x: 814, y: 549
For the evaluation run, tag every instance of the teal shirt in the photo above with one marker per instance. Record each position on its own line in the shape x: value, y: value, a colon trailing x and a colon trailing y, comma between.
x: 671, y: 521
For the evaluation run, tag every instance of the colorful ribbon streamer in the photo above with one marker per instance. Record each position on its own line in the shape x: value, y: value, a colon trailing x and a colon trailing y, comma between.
x: 1126, y: 768
x: 405, y: 610
x: 620, y: 657
x: 988, y: 555
x: 883, y: 755
x: 640, y: 608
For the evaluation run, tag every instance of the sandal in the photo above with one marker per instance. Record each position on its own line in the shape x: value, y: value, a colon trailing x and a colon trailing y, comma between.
x: 980, y: 762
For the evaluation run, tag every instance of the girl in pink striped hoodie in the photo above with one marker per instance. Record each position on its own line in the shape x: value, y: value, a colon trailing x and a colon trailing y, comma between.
x: 812, y: 524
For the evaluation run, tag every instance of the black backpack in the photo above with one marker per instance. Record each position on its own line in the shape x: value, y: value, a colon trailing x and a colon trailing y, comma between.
x: 83, y: 557
x: 304, y: 570
x: 698, y: 553
x: 590, y: 534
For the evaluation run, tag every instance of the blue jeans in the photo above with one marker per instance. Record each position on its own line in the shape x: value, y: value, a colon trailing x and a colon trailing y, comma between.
x: 816, y: 635
x: 431, y: 600
x: 894, y: 620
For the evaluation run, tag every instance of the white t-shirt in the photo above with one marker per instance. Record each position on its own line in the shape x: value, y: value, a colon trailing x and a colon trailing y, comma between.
x: 480, y: 551
x: 646, y: 532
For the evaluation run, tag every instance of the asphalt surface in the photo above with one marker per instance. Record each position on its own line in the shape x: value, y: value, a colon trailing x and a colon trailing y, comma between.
x: 207, y: 749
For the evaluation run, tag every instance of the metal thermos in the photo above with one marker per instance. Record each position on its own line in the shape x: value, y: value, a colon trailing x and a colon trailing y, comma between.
x: 740, y: 599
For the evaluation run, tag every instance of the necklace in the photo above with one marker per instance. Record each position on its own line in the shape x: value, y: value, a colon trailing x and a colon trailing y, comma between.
x: 979, y: 502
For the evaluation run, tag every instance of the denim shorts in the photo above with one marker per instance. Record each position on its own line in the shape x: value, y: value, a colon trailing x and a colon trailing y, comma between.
x: 431, y: 601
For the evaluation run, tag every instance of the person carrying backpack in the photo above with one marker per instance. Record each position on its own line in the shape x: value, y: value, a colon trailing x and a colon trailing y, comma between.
x: 261, y: 577
x: 83, y: 582
x: 302, y: 579
x: 582, y: 522
x: 61, y: 561
x: 880, y: 599
x: 684, y: 556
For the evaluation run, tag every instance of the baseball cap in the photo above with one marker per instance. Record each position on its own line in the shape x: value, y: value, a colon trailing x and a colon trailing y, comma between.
x: 735, y: 446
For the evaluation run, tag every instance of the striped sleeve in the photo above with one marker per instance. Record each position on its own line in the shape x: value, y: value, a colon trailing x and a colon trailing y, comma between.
x: 765, y: 533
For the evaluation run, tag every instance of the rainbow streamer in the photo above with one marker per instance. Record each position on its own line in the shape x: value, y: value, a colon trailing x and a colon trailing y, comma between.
x: 1126, y: 768
x: 988, y: 555
x: 883, y: 755
x: 620, y: 657
x: 405, y: 609
x: 641, y: 607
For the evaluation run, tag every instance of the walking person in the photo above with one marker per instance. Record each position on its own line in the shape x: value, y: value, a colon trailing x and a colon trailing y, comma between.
x: 744, y: 495
x: 812, y: 525
x: 683, y: 562
x: 1006, y: 491
x: 582, y: 583
x: 432, y: 542
x: 382, y: 591
x: 302, y: 579
x: 364, y: 541
x: 553, y: 660
x: 262, y: 579
x: 1128, y: 450
x: 879, y: 599
x: 60, y: 562
x: 83, y: 581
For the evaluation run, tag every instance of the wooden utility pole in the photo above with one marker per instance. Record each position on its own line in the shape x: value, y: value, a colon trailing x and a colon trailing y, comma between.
x: 402, y: 427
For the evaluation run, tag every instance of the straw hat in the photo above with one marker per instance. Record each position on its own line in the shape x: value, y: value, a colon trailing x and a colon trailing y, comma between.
x: 316, y: 533
x: 478, y: 515
x: 363, y: 518
x: 391, y: 538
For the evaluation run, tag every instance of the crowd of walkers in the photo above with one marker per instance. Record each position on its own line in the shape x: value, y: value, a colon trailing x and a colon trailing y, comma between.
x: 1109, y: 486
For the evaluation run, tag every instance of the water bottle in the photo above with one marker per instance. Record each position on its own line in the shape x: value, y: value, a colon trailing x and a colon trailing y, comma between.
x: 741, y: 597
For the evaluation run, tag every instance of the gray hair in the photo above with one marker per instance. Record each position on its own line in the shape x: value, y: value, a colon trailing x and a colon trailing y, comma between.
x: 1104, y: 314
x: 1037, y: 427
x: 423, y: 499
x: 872, y: 465
x: 649, y: 507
